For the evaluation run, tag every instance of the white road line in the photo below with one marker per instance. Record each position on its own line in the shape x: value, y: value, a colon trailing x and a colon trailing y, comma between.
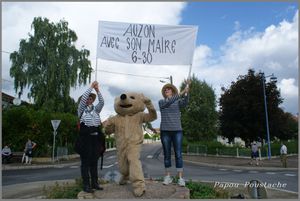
x: 108, y: 166
x: 253, y: 171
x: 270, y: 173
x: 223, y: 169
x: 149, y: 156
x: 110, y: 157
x: 290, y: 175
x: 74, y: 166
x: 237, y: 170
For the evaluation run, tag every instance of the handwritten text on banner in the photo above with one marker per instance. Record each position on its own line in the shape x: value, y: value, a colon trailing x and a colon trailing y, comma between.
x: 146, y: 43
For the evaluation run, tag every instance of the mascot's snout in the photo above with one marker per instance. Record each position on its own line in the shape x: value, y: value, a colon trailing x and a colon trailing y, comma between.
x: 123, y: 97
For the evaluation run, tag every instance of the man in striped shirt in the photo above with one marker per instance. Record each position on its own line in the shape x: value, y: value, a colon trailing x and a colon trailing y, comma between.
x: 89, y: 137
x: 170, y: 128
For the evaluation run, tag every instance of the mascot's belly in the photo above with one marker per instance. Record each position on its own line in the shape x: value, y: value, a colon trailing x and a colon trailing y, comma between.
x: 129, y: 129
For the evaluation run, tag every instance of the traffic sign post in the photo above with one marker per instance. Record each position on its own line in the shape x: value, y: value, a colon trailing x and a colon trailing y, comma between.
x: 55, y: 124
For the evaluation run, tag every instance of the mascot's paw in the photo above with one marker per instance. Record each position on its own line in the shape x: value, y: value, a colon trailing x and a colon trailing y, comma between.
x: 123, y: 180
x: 138, y: 192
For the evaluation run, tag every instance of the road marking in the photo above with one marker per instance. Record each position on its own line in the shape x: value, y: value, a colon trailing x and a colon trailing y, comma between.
x: 74, y: 166
x: 110, y: 157
x: 108, y: 166
x: 253, y: 171
x: 290, y: 175
x: 149, y: 156
x: 237, y: 170
x: 270, y: 173
x: 223, y: 169
x: 59, y: 166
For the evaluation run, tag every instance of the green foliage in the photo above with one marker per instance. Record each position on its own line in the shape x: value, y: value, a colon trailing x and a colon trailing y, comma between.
x: 147, y: 136
x: 292, y: 147
x: 199, y: 118
x: 204, y: 191
x: 156, y: 136
x: 63, y: 191
x: 211, y: 146
x: 36, y: 125
x: 66, y: 190
x: 242, y: 111
x: 49, y: 63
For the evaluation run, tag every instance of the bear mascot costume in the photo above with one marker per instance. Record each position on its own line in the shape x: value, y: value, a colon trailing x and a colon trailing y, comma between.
x: 127, y: 128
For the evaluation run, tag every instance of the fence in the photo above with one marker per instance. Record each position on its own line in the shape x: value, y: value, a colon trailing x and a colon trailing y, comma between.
x: 196, y: 150
x: 62, y: 153
x: 227, y: 151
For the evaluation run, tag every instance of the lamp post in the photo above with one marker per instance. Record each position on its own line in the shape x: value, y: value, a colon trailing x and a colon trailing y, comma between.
x: 168, y: 78
x: 263, y: 77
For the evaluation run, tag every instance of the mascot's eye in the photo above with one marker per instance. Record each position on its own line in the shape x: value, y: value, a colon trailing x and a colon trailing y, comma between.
x: 132, y: 97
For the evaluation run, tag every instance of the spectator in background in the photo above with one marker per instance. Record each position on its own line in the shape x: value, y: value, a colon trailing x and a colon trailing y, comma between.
x: 254, y: 153
x: 283, y: 155
x: 6, y: 154
x: 29, y: 146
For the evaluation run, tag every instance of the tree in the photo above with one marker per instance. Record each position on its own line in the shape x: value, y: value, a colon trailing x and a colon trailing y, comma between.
x: 242, y: 111
x: 36, y: 125
x: 199, y: 118
x: 49, y: 63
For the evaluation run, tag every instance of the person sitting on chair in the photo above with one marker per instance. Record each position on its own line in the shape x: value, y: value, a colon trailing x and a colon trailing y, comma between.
x: 6, y: 154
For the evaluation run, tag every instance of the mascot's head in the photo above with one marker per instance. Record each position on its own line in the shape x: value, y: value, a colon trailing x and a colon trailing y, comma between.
x: 129, y: 103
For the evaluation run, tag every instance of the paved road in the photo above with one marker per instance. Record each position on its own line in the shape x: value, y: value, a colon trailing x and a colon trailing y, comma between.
x: 152, y: 162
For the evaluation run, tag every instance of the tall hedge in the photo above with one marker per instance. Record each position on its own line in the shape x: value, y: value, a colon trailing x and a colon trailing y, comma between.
x: 23, y: 122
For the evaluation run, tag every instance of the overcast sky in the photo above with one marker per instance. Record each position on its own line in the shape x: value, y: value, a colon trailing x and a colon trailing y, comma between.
x: 232, y: 37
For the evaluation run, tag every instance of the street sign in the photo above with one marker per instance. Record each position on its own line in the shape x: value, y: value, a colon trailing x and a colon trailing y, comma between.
x: 55, y: 124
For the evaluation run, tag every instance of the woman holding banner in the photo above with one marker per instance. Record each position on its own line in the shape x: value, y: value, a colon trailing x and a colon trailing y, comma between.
x: 89, y: 136
x: 170, y: 128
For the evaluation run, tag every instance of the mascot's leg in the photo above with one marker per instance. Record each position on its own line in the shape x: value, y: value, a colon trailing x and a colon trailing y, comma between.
x: 123, y: 167
x: 136, y: 174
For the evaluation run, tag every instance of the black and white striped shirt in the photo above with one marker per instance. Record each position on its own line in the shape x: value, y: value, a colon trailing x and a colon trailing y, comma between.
x: 90, y: 114
x: 170, y: 112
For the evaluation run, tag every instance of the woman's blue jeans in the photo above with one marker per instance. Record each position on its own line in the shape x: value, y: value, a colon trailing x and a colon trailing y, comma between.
x: 167, y: 139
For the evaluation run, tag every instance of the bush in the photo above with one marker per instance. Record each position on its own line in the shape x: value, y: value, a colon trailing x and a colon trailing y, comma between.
x: 211, y: 146
x: 204, y: 191
x: 23, y: 122
x: 63, y: 191
x: 147, y: 136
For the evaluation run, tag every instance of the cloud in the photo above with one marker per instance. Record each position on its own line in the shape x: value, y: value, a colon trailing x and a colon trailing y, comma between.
x: 83, y: 18
x: 288, y: 88
x: 274, y: 50
x: 237, y: 25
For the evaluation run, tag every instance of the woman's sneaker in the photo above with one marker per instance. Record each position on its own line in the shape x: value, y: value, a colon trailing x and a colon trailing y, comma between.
x: 167, y: 180
x: 181, y: 182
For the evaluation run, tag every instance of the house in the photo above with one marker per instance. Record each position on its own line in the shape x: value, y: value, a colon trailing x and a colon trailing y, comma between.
x: 8, y: 100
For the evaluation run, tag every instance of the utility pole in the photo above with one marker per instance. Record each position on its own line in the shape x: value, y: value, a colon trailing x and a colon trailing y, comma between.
x: 263, y: 78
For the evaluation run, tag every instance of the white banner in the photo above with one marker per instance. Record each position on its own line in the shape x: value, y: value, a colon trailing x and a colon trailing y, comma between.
x: 146, y: 43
